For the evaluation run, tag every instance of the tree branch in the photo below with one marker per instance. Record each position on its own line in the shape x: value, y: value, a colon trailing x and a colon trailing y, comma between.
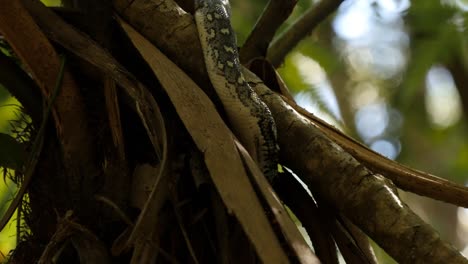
x: 300, y: 29
x: 275, y: 13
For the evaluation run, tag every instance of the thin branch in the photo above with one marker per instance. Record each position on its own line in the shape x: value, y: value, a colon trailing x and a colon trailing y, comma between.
x: 403, y: 177
x: 300, y: 29
x: 275, y: 13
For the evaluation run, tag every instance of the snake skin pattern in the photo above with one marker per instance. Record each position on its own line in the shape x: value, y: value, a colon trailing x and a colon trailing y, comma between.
x: 249, y: 117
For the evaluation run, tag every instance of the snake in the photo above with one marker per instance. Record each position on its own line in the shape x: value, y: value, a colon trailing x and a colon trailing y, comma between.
x: 248, y: 116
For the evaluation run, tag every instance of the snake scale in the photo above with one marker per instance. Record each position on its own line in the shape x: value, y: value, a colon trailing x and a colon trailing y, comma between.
x: 249, y: 117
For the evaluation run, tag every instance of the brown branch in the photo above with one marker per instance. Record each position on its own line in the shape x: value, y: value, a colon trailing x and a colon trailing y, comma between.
x: 178, y: 34
x: 403, y: 177
x: 300, y: 29
x: 275, y: 13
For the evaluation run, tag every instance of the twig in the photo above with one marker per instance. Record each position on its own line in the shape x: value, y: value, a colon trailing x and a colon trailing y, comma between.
x: 300, y: 29
x: 275, y: 13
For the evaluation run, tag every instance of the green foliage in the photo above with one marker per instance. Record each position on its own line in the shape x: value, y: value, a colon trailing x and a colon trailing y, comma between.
x: 52, y: 2
x: 433, y: 41
x: 322, y: 54
x: 293, y: 78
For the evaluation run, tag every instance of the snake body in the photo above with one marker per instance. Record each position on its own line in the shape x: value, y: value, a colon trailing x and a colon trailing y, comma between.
x: 249, y: 117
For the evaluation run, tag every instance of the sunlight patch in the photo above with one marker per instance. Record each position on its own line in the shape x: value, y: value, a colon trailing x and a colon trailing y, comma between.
x: 443, y: 103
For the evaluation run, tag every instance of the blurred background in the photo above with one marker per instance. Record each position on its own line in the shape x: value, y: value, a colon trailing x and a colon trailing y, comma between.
x: 391, y: 73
